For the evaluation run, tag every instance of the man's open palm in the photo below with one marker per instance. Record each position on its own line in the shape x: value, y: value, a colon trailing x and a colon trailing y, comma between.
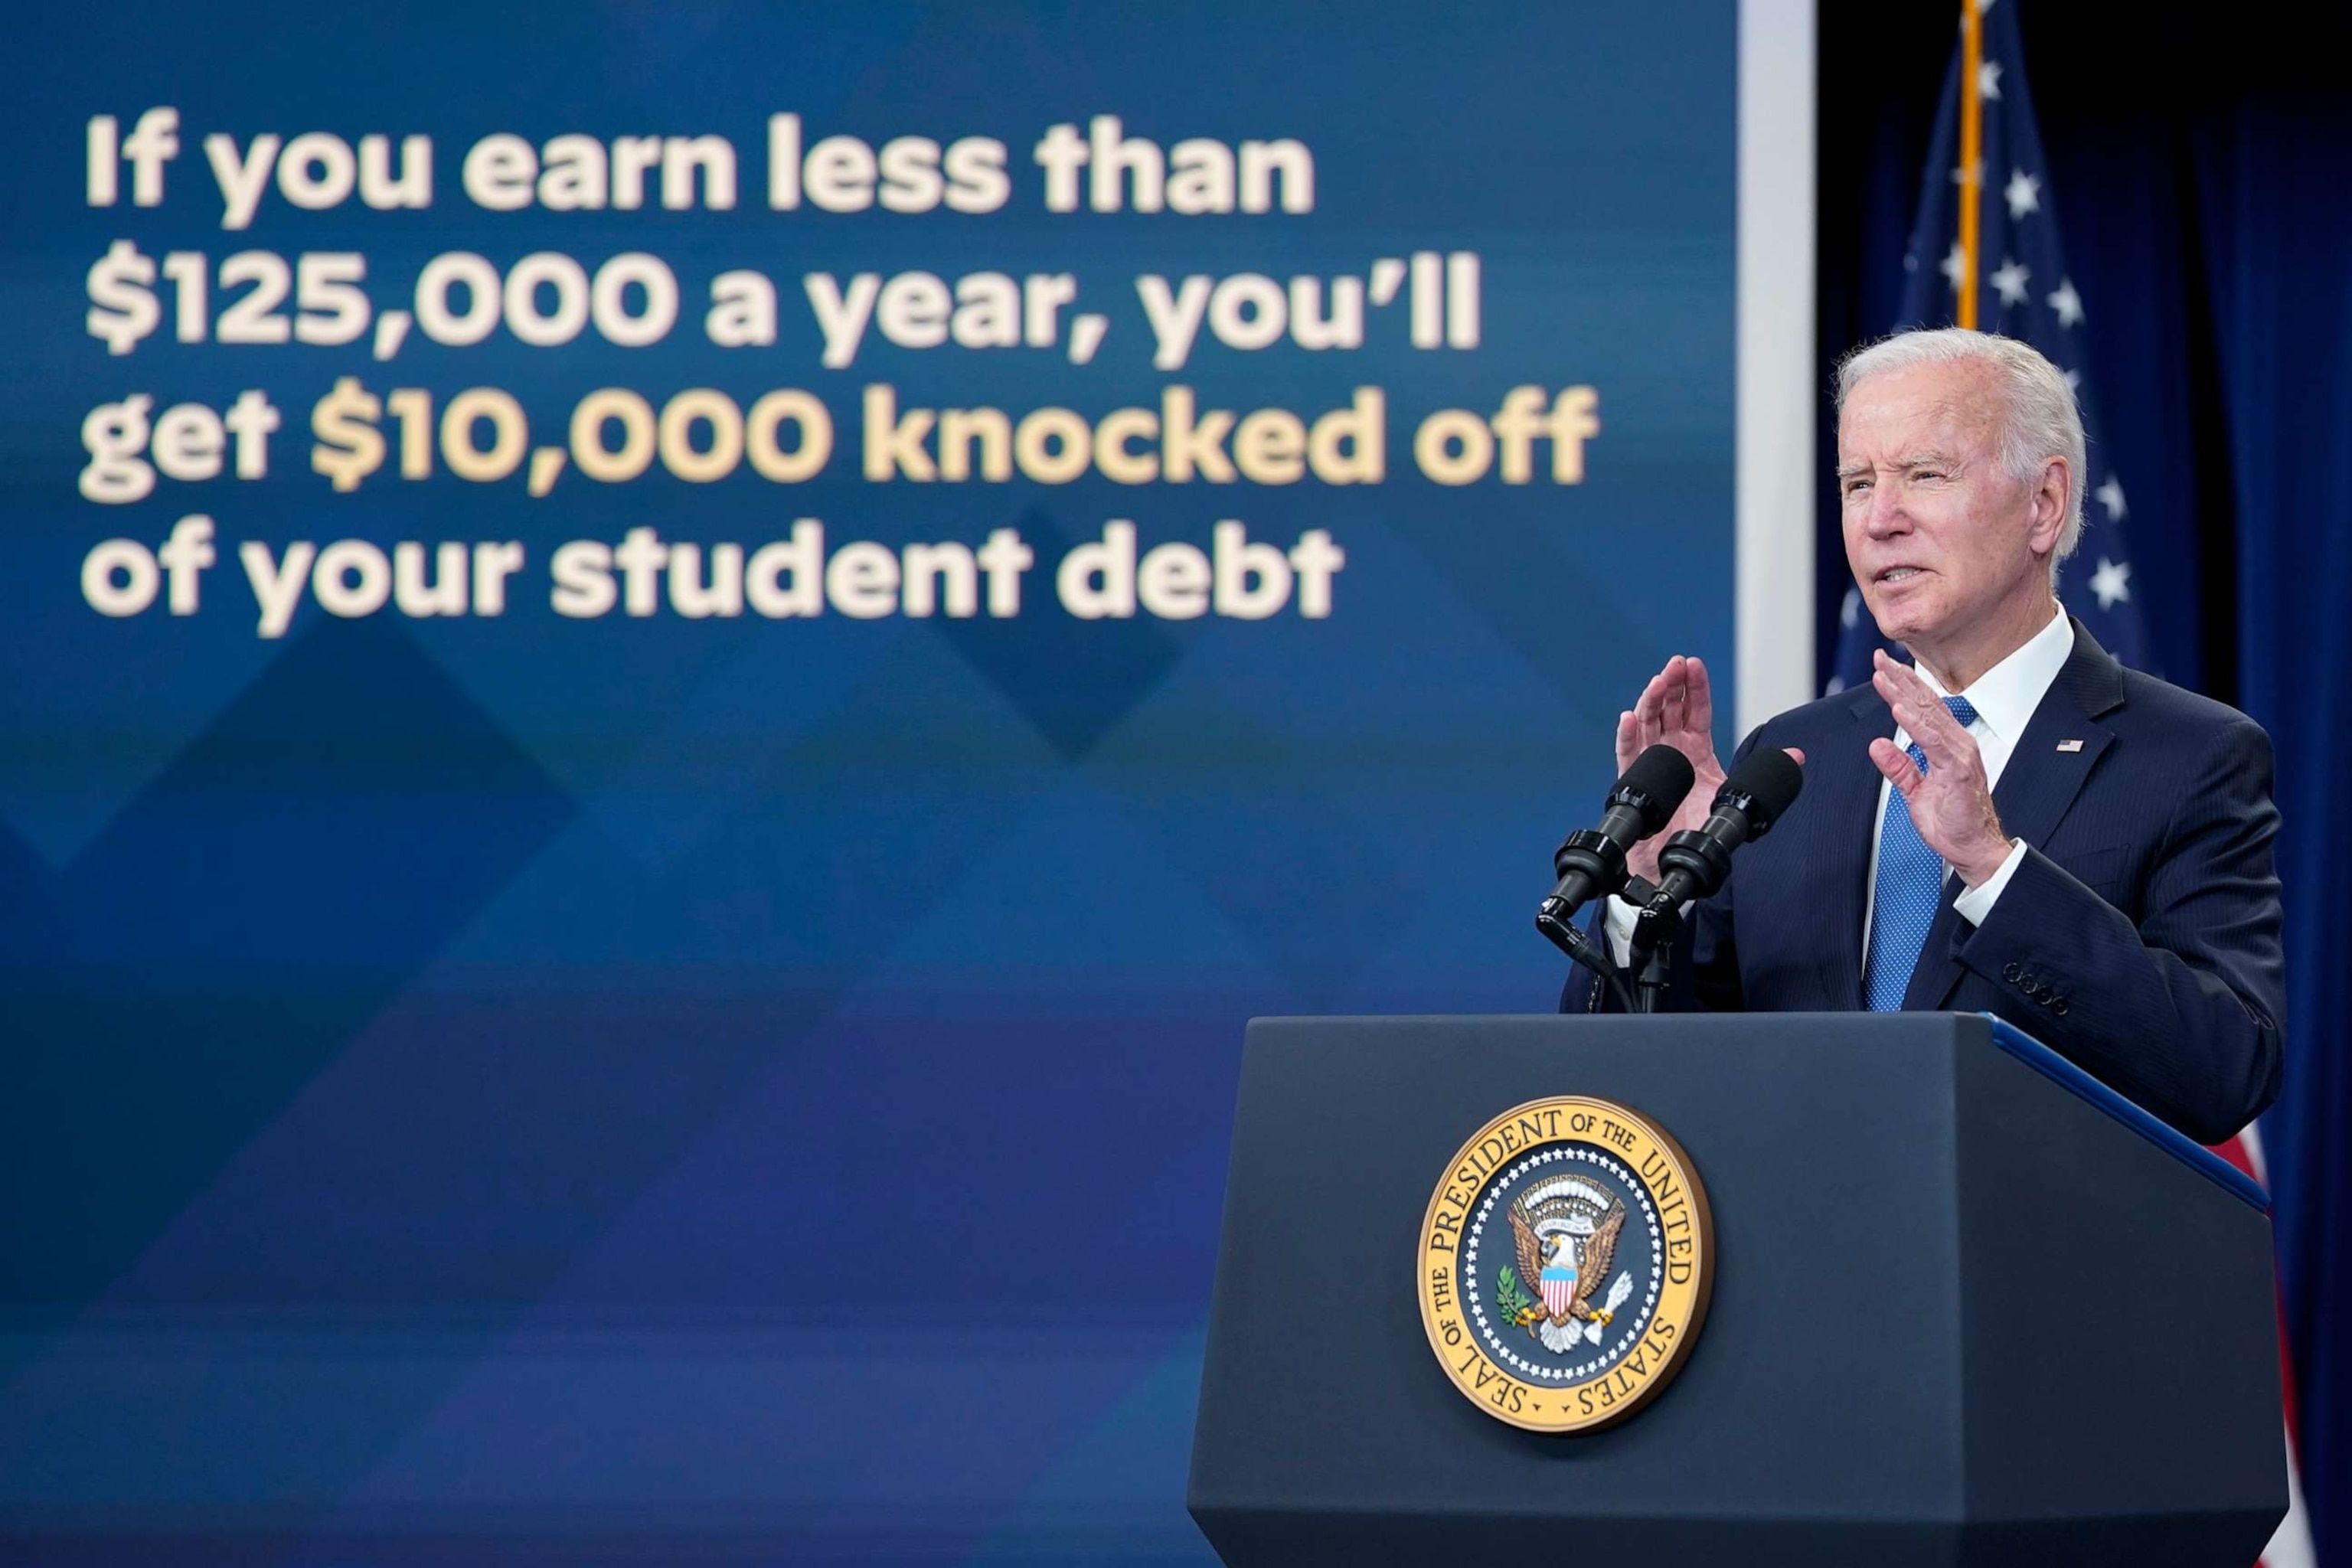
x: 1677, y: 709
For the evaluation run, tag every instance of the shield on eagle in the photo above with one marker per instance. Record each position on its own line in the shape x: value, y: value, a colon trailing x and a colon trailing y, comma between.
x: 1560, y: 1275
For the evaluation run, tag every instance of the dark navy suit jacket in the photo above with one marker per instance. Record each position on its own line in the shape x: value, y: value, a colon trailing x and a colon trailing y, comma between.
x: 2139, y: 937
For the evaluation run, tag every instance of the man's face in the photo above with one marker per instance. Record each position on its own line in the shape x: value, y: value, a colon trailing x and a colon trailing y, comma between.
x: 1939, y: 536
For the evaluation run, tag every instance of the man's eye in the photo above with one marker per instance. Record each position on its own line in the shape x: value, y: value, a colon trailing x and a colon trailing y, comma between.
x: 1926, y: 473
x: 1856, y: 487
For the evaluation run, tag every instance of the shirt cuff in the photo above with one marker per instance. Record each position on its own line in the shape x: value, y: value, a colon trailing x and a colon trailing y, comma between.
x: 1618, y: 921
x: 1975, y: 903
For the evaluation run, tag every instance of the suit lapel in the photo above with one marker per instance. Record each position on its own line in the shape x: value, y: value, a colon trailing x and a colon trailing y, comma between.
x: 2037, y: 787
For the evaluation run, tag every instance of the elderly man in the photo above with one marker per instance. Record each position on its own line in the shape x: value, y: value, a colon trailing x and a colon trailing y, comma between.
x: 2014, y: 823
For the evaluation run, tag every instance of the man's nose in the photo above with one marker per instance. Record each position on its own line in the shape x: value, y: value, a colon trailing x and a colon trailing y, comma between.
x: 1886, y: 515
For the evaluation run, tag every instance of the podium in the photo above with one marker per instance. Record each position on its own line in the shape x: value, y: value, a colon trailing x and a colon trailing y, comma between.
x: 1968, y: 1306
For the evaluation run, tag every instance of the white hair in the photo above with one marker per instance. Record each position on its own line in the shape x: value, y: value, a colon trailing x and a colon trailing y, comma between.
x: 2041, y: 419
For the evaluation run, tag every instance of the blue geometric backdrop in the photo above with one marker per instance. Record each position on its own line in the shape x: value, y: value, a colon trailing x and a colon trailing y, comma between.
x: 663, y: 1091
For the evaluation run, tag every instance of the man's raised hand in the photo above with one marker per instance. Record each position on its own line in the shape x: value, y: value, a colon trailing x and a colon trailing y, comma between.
x: 1951, y: 802
x: 1677, y: 709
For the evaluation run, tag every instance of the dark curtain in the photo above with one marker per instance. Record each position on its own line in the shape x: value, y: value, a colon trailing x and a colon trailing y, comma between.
x: 2201, y: 163
x: 2278, y: 229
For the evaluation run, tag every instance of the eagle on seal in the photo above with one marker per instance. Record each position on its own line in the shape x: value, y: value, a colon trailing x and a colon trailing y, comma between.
x: 1568, y: 1268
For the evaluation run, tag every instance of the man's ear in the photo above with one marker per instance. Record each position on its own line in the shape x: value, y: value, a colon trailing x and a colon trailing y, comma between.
x: 2053, y: 499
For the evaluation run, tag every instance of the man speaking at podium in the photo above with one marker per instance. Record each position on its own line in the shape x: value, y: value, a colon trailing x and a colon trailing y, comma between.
x: 2013, y: 824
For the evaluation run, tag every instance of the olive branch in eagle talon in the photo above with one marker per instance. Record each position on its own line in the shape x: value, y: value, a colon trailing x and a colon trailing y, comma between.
x: 1510, y: 1299
x: 1535, y: 1251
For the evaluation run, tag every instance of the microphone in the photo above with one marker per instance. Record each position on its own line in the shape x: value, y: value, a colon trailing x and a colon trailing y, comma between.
x: 1591, y: 864
x: 1695, y: 862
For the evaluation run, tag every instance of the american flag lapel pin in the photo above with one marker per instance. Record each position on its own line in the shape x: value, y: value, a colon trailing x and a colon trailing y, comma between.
x: 2070, y: 745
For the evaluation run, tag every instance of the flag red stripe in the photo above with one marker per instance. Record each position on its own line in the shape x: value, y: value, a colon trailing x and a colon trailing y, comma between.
x: 2244, y: 1152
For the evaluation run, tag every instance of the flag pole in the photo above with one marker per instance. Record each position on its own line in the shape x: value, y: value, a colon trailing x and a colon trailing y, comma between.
x: 1970, y: 173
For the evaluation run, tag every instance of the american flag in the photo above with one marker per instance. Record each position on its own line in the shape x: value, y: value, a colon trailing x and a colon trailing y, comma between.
x: 2290, y: 1544
x: 1987, y: 233
x: 2016, y: 274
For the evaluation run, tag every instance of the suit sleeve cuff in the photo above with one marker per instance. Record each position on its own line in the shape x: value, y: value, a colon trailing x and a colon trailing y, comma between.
x: 1974, y: 903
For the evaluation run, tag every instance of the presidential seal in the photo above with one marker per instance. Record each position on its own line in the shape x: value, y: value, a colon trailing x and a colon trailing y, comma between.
x: 1565, y: 1265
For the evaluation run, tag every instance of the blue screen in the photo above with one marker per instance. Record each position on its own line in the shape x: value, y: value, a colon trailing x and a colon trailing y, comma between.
x: 673, y: 675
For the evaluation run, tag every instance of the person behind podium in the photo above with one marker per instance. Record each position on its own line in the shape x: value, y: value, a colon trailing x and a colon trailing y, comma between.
x: 2013, y: 823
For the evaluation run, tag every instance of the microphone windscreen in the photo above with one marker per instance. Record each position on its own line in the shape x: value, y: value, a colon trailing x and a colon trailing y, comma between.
x: 1764, y: 785
x: 1655, y: 784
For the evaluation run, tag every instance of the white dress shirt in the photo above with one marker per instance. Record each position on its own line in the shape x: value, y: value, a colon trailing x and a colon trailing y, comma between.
x: 2004, y: 698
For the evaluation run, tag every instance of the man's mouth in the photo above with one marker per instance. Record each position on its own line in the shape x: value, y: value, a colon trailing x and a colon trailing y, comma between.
x: 1899, y: 573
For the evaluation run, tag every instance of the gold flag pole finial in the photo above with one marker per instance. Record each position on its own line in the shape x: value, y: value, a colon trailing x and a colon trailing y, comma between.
x: 1970, y: 173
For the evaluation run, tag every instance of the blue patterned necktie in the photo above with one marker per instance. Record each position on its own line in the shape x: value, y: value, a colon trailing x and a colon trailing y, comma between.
x: 1910, y: 886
